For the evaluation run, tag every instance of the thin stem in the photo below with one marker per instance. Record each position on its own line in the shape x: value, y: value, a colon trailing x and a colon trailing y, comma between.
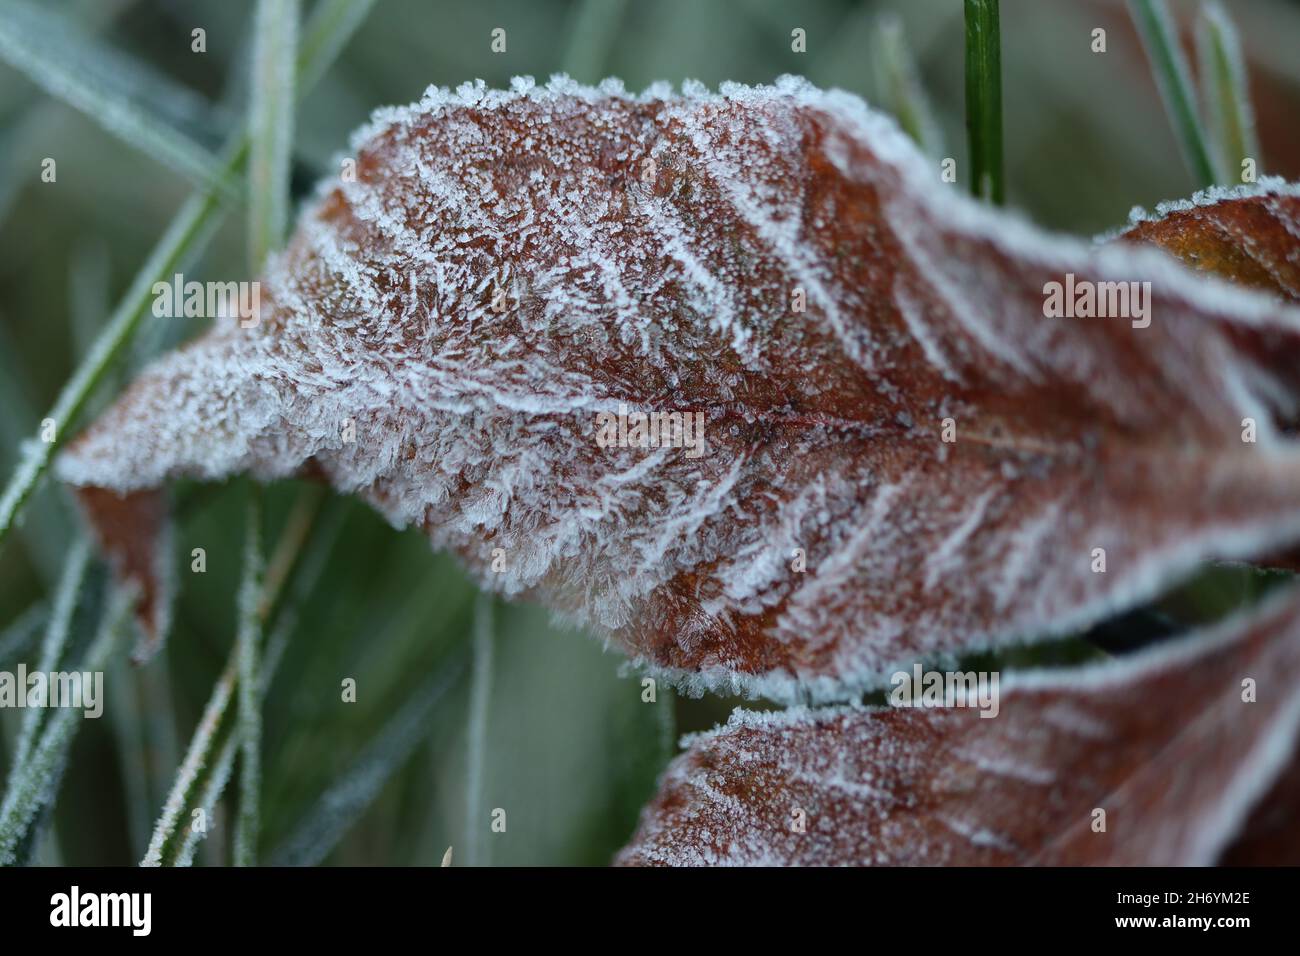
x: 108, y: 87
x: 1170, y: 68
x: 196, y: 757
x: 15, y: 638
x: 56, y: 639
x: 124, y: 712
x: 249, y: 643
x: 271, y: 127
x: 1225, y: 91
x: 35, y: 786
x: 899, y: 88
x: 339, y: 807
x: 592, y: 29
x: 480, y: 698
x: 212, y: 789
x: 984, y: 99
x: 289, y: 549
x: 188, y: 232
x: 207, y: 739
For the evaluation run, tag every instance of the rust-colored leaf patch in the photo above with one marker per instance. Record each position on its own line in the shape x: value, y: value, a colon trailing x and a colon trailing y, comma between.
x: 1163, y: 759
x: 1251, y: 240
x: 883, y: 448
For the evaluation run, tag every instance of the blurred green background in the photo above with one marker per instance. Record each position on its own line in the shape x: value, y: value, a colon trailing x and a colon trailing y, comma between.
x: 569, y: 749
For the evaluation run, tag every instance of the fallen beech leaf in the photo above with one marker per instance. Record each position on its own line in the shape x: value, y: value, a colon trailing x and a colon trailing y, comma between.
x: 1162, y: 742
x: 782, y: 262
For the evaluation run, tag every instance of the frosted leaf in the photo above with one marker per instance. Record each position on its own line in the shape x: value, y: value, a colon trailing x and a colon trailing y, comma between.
x: 649, y: 252
x: 1163, y: 743
x: 1248, y: 234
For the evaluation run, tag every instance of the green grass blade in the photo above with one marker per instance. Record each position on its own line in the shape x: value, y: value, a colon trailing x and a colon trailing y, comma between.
x: 211, y: 793
x: 34, y: 788
x: 124, y: 714
x: 898, y: 86
x: 325, y: 35
x: 271, y: 126
x: 187, y: 234
x: 56, y: 640
x: 1160, y: 40
x: 984, y: 99
x: 480, y: 700
x: 48, y: 526
x: 331, y: 24
x: 128, y: 100
x: 202, y: 745
x: 285, y: 571
x: 18, y: 636
x: 1225, y: 92
x: 271, y: 131
x: 18, y: 141
x: 248, y: 644
x: 341, y: 805
x: 592, y: 28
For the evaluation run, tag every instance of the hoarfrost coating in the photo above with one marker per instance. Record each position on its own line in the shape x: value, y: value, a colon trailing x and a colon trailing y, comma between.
x: 1159, y: 758
x: 506, y: 265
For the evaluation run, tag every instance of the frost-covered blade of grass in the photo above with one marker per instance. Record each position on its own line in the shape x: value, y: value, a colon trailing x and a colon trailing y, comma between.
x: 35, y: 785
x: 18, y: 636
x: 199, y: 768
x: 271, y: 119
x: 1225, y: 92
x: 186, y: 236
x: 327, y: 31
x: 899, y: 88
x: 202, y: 745
x: 271, y: 126
x: 136, y: 104
x: 216, y: 782
x: 339, y: 808
x: 24, y: 133
x: 219, y: 774
x: 1160, y: 39
x: 124, y: 713
x: 249, y: 647
x: 47, y: 527
x: 54, y: 643
x: 480, y: 700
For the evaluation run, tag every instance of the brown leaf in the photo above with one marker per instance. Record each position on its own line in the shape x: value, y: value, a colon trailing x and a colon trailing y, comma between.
x: 135, y: 530
x: 653, y: 254
x: 1163, y: 743
x: 1248, y: 238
